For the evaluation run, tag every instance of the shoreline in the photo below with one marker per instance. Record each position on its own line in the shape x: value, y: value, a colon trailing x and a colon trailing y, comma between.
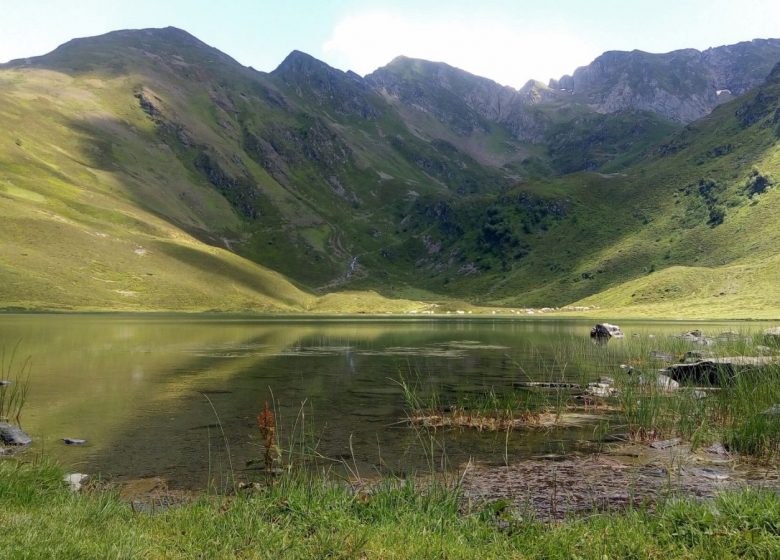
x: 303, y: 517
x: 379, y: 316
x: 549, y: 487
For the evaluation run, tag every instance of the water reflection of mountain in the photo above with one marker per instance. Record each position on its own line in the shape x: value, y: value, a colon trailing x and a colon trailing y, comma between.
x: 134, y: 386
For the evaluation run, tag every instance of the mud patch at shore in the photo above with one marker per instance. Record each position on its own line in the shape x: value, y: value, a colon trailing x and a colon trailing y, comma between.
x: 554, y: 488
x: 151, y: 495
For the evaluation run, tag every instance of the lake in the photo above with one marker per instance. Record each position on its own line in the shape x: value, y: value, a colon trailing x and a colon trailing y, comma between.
x: 177, y: 396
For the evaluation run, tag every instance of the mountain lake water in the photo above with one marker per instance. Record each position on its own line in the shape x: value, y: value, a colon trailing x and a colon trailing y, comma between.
x: 177, y: 396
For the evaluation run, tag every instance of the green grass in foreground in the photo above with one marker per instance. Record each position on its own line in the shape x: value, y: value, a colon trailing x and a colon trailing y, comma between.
x: 304, y: 517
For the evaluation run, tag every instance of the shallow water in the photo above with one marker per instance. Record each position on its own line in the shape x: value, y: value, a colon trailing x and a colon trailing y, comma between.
x: 177, y: 396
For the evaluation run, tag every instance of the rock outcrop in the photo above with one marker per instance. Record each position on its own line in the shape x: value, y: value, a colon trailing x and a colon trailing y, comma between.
x: 681, y: 85
x: 461, y: 100
x: 345, y: 92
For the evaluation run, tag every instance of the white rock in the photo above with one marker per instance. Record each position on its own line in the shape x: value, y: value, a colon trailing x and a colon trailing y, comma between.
x: 663, y: 382
x: 773, y: 410
x: 600, y: 390
x: 666, y: 382
x: 75, y: 480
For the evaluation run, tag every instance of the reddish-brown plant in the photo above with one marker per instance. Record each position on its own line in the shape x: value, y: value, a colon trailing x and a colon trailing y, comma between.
x: 266, y: 422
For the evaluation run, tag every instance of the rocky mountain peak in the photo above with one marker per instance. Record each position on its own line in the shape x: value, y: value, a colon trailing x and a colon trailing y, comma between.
x: 442, y: 74
x: 535, y: 91
x: 681, y: 85
x: 116, y: 50
x: 312, y: 79
x: 462, y: 100
x: 401, y: 60
x: 301, y: 63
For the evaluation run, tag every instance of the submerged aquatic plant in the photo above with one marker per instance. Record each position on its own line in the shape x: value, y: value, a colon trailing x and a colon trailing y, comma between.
x: 491, y: 410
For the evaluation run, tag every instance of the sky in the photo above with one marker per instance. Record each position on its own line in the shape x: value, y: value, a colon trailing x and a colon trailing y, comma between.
x: 507, y: 41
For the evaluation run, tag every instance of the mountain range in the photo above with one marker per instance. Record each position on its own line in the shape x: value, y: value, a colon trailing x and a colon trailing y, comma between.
x: 146, y: 170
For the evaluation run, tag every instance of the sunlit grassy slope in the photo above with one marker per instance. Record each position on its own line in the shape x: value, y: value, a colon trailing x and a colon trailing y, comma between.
x: 735, y: 291
x: 135, y: 169
x: 81, y: 225
x: 102, y: 203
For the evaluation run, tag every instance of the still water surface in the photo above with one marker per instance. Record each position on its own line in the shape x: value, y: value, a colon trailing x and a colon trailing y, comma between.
x: 171, y: 395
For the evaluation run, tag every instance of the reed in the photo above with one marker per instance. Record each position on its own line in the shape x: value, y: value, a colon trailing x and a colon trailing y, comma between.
x: 489, y: 411
x: 743, y: 413
x: 14, y: 385
x: 749, y: 411
x: 738, y: 412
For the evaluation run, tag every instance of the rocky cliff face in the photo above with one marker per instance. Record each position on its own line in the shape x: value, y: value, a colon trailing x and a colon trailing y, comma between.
x: 345, y: 92
x: 466, y: 102
x: 741, y: 67
x: 682, y: 85
x: 459, y: 99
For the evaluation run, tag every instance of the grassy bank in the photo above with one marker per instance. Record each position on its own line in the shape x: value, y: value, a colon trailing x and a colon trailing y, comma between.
x: 303, y: 517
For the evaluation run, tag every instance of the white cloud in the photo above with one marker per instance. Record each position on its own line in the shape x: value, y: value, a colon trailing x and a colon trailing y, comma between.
x: 508, y: 52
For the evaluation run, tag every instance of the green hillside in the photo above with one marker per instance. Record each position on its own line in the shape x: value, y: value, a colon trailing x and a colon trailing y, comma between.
x: 690, y: 228
x: 80, y: 230
x: 693, y: 226
x: 101, y: 212
x: 145, y: 170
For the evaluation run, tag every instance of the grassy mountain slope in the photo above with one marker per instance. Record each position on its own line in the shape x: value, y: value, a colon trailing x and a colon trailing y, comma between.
x: 80, y: 230
x: 702, y: 206
x: 698, y: 227
x: 156, y: 140
x: 146, y: 170
x: 246, y: 161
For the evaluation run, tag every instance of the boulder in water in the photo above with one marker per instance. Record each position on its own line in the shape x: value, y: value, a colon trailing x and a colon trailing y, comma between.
x: 772, y: 335
x: 661, y: 381
x: 606, y: 330
x: 13, y: 435
x: 665, y: 444
x: 661, y: 356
